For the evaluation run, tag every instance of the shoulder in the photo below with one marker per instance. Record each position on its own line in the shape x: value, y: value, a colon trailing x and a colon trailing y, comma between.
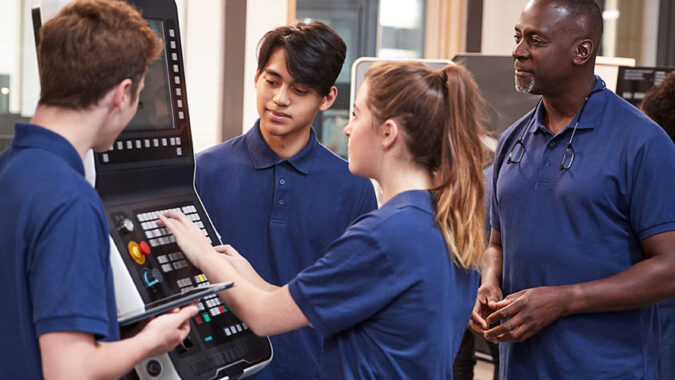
x: 331, y: 164
x: 213, y: 158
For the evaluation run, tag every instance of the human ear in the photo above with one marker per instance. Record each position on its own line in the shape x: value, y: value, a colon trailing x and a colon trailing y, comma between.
x: 389, y: 131
x: 121, y: 94
x: 329, y: 99
x: 583, y: 52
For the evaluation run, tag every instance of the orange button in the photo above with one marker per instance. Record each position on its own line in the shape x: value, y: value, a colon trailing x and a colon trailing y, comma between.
x: 135, y: 253
x: 145, y: 248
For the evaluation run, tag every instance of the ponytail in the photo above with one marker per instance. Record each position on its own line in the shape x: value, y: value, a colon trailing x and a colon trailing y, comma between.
x: 460, y: 185
x: 441, y: 114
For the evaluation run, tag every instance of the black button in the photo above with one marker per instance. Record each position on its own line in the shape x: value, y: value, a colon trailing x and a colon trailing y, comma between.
x: 153, y: 368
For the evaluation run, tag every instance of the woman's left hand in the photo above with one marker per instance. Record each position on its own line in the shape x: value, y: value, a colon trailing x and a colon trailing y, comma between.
x: 189, y: 237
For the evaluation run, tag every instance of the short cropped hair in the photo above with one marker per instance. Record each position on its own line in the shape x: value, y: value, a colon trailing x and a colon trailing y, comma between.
x: 314, y: 53
x: 589, y: 14
x: 88, y: 48
x: 659, y: 104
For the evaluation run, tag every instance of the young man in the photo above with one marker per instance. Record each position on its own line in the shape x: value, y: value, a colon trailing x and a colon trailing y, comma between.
x: 583, y: 219
x: 275, y: 193
x: 56, y: 284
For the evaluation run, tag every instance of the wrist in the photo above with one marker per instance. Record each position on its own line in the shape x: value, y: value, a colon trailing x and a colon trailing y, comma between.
x: 570, y: 299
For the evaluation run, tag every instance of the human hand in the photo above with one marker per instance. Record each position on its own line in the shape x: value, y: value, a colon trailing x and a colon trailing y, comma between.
x: 529, y: 311
x: 165, y: 332
x: 488, y: 295
x: 189, y: 237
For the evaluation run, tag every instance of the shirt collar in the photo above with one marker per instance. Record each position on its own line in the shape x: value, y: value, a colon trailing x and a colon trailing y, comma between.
x: 264, y: 157
x: 421, y: 199
x: 591, y: 112
x: 33, y: 136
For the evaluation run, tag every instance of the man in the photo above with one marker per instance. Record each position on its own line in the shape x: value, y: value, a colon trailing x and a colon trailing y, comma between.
x: 658, y: 104
x: 275, y: 193
x: 583, y: 219
x: 60, y: 318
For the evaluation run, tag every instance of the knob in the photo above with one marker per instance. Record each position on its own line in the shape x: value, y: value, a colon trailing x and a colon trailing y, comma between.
x: 153, y: 367
x: 126, y: 226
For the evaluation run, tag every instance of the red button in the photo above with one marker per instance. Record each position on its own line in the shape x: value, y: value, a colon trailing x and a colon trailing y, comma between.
x: 145, y: 248
x: 198, y: 320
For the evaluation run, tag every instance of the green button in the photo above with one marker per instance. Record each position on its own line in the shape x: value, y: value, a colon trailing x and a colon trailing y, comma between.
x: 206, y: 317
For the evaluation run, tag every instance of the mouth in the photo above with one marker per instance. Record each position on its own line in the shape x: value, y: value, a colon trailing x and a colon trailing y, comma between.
x: 278, y: 115
x: 522, y: 72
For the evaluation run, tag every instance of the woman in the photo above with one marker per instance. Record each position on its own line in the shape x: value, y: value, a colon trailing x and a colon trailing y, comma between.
x: 392, y: 296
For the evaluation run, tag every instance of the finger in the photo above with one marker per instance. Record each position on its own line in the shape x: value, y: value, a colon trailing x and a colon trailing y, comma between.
x: 510, y: 310
x: 477, y: 318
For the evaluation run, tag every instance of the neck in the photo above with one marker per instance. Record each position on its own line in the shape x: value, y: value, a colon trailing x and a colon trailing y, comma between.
x: 400, y: 177
x: 288, y: 145
x: 563, y: 104
x: 79, y: 128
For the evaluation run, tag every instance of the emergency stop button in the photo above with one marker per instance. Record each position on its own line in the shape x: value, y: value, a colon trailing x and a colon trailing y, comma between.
x: 145, y: 248
x: 135, y: 253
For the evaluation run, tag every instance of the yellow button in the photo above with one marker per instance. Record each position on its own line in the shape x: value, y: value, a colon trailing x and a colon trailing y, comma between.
x: 135, y: 253
x: 201, y: 278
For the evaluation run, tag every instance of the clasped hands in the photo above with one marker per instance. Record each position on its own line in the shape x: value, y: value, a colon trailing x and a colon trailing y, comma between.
x: 518, y: 316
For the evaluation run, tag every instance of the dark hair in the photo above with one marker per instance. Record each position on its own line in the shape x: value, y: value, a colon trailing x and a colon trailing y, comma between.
x: 587, y: 16
x: 659, y: 104
x: 441, y: 113
x: 314, y: 53
x: 89, y: 47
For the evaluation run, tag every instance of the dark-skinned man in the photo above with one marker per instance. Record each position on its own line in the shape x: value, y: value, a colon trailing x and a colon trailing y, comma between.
x: 583, y: 217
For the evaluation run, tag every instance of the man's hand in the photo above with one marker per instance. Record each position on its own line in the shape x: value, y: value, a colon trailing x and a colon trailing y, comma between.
x: 167, y: 331
x: 488, y: 296
x: 528, y: 311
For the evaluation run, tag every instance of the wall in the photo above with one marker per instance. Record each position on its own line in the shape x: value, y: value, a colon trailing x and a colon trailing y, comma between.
x: 261, y: 16
x: 499, y: 18
x: 203, y: 44
x: 9, y: 38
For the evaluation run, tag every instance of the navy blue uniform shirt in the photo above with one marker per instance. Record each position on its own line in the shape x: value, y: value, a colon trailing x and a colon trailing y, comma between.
x: 281, y: 214
x: 387, y: 297
x: 55, y: 274
x: 583, y: 224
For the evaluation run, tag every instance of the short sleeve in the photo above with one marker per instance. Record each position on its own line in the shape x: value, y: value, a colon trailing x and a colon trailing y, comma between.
x: 350, y: 283
x: 493, y: 208
x: 652, y: 205
x: 68, y: 270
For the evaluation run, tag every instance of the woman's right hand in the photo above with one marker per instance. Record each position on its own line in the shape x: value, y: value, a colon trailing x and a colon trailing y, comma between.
x: 189, y: 237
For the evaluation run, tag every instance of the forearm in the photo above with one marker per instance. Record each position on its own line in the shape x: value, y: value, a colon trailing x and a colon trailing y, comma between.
x: 91, y: 359
x: 645, y: 283
x: 262, y: 309
x: 491, y: 269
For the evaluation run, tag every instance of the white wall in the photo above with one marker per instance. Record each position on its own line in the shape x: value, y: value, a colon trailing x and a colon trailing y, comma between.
x: 499, y: 18
x: 9, y: 46
x: 202, y: 24
x: 261, y: 16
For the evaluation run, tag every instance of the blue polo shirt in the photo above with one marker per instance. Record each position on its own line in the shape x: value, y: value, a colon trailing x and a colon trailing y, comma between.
x: 387, y: 297
x: 281, y: 214
x: 583, y: 224
x: 55, y: 274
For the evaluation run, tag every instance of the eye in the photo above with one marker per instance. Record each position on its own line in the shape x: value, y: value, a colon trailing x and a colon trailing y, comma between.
x: 516, y: 37
x: 301, y: 91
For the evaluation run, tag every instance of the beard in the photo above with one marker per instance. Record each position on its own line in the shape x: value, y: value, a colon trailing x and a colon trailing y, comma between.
x: 524, y: 86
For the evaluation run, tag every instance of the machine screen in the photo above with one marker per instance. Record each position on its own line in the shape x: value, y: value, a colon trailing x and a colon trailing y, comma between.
x: 154, y: 107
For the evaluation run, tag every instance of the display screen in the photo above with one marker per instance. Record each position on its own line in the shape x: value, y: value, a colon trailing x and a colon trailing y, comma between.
x: 154, y: 107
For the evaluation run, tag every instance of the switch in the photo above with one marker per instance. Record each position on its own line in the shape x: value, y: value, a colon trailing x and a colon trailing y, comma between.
x: 149, y: 278
x: 144, y: 247
x: 135, y: 253
x: 126, y: 225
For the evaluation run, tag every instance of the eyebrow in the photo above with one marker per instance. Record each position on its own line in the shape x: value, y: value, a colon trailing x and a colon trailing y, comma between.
x: 272, y: 72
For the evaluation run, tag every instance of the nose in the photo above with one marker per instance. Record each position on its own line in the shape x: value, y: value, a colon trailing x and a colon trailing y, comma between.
x: 348, y: 130
x: 282, y: 96
x: 520, y: 51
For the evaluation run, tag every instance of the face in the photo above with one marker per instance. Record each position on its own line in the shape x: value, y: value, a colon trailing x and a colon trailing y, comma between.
x: 128, y: 109
x: 286, y: 108
x: 544, y: 47
x: 364, y: 149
